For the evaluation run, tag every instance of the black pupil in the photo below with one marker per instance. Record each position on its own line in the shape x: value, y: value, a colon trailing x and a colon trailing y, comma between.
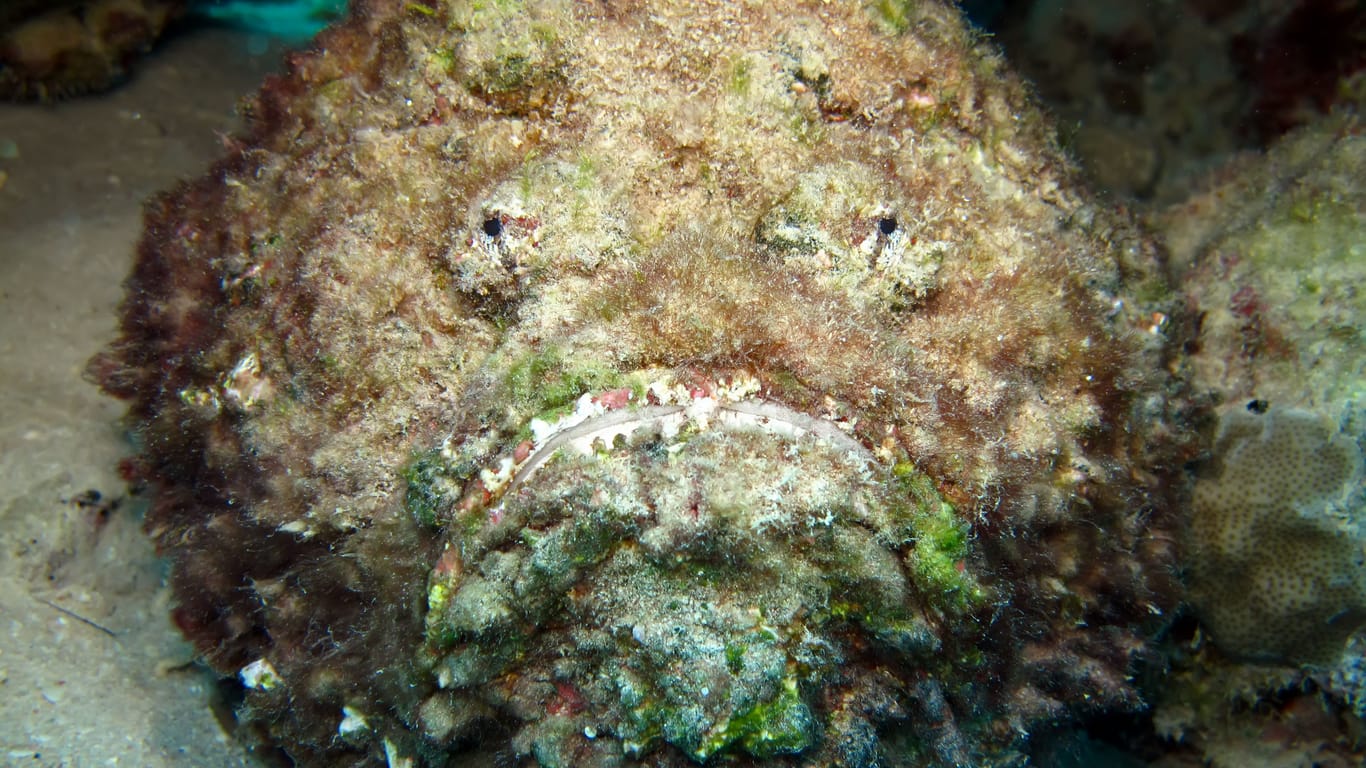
x: 493, y: 227
x: 886, y: 225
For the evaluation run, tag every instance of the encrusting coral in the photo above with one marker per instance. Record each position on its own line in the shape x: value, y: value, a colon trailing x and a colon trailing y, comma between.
x: 1275, y: 282
x: 1271, y: 259
x: 51, y: 49
x: 666, y: 382
x: 1277, y: 555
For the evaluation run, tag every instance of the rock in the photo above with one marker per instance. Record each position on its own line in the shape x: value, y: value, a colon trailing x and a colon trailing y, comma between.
x: 50, y: 50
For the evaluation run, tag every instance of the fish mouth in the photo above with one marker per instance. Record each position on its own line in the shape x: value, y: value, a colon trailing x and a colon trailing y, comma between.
x: 704, y: 553
x: 666, y: 412
x: 666, y: 422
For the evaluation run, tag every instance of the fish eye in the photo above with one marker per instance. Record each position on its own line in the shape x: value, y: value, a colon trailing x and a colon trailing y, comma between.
x: 493, y: 226
x: 886, y: 225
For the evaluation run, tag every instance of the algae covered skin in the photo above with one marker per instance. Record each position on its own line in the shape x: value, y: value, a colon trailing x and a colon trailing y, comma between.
x: 654, y: 383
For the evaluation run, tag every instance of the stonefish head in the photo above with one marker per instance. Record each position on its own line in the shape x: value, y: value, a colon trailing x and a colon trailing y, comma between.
x: 663, y: 383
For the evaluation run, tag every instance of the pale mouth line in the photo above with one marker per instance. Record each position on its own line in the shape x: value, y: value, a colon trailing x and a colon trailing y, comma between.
x: 593, y: 427
x: 667, y: 420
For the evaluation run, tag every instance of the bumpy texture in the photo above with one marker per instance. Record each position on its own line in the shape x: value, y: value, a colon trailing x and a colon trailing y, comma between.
x: 1273, y: 260
x: 57, y: 48
x: 1156, y: 95
x: 672, y: 382
x: 1277, y: 562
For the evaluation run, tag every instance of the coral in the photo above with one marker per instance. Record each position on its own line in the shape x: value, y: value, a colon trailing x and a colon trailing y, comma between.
x: 674, y: 383
x: 1270, y: 259
x: 1223, y: 713
x: 1152, y: 97
x: 57, y: 49
x: 1276, y: 543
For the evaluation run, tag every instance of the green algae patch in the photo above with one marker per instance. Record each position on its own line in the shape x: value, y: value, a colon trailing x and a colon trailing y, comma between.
x: 740, y: 76
x: 892, y: 14
x: 735, y: 658
x: 938, y: 562
x: 783, y: 726
x: 513, y: 51
x: 550, y: 379
x: 937, y: 559
x: 432, y: 485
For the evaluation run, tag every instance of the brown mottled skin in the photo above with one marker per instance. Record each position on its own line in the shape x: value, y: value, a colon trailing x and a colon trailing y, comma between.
x: 697, y: 188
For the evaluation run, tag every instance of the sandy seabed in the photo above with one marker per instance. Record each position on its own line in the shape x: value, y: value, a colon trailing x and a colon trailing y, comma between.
x: 92, y: 673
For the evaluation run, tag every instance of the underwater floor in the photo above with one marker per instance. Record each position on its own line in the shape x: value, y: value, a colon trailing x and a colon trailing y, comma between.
x: 91, y: 671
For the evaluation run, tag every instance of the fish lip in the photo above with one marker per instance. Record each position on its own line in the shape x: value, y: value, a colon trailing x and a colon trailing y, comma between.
x: 761, y: 415
x: 594, y: 425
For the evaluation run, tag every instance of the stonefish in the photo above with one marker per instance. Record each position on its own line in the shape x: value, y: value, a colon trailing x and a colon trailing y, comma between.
x: 670, y: 383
